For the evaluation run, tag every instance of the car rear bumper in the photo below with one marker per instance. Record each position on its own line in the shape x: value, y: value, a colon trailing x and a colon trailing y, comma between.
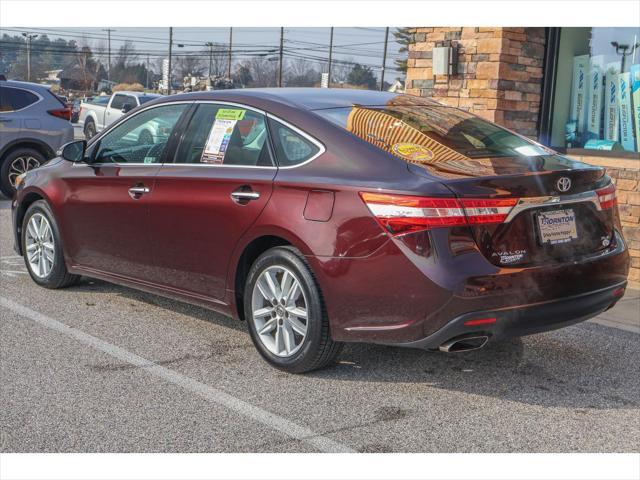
x: 396, y: 297
x: 523, y: 320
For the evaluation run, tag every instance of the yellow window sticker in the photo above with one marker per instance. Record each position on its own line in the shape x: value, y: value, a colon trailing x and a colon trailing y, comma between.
x: 412, y: 152
x: 230, y: 114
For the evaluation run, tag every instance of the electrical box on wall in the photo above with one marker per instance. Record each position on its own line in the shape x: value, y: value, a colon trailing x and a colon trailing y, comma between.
x: 444, y: 60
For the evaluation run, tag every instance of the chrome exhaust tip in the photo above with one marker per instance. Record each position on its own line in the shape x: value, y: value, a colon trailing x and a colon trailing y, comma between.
x: 464, y: 344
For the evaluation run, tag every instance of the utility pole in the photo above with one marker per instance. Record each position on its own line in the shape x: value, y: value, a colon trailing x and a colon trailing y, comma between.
x: 108, y: 30
x: 281, y: 56
x: 147, y: 71
x: 210, y: 45
x: 169, y: 65
x: 384, y: 58
x: 29, y: 37
x: 330, y: 56
x: 230, y: 43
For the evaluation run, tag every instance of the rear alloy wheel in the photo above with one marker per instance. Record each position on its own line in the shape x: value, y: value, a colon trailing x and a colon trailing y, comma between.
x: 17, y: 162
x: 42, y: 248
x: 279, y: 311
x: 285, y: 312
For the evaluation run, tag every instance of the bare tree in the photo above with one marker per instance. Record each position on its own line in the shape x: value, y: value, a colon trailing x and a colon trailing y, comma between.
x: 189, y: 65
x: 100, y: 50
x: 218, y: 56
x: 83, y: 60
x: 340, y: 70
x: 264, y: 72
x: 300, y: 73
x: 126, y: 54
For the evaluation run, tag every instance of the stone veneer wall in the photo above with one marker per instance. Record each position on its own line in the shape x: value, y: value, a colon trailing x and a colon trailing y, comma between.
x: 625, y: 173
x: 499, y: 78
x: 499, y: 74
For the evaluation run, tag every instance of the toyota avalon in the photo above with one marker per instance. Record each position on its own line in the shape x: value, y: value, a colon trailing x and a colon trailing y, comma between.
x: 323, y: 216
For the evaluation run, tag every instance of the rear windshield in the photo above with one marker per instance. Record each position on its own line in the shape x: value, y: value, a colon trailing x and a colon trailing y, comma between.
x: 101, y: 100
x: 429, y: 133
x: 147, y: 98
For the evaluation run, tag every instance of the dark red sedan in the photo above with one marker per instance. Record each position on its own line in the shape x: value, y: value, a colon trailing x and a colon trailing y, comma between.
x: 326, y: 216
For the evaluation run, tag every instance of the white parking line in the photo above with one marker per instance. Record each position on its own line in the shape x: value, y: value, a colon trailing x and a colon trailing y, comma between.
x: 213, y: 394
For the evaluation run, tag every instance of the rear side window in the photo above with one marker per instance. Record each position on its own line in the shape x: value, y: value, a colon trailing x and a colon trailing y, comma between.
x: 13, y: 99
x: 225, y: 135
x: 292, y: 148
x: 119, y: 101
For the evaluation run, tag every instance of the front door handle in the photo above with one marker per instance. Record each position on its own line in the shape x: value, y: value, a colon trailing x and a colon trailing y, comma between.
x: 137, y: 191
x: 245, y: 195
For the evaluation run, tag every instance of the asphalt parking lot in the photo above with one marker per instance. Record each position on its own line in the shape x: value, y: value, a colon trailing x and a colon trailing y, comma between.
x: 102, y: 368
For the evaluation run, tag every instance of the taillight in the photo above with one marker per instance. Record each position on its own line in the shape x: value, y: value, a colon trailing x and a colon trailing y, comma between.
x: 64, y: 113
x: 400, y: 214
x: 487, y: 210
x: 607, y: 197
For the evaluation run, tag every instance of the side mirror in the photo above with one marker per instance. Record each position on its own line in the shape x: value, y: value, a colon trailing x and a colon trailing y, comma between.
x: 73, y: 151
x: 126, y: 107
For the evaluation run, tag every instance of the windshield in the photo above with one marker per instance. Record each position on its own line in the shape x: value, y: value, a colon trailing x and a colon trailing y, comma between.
x: 430, y: 132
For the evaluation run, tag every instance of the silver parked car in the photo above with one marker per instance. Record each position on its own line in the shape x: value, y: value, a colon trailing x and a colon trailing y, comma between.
x: 34, y: 124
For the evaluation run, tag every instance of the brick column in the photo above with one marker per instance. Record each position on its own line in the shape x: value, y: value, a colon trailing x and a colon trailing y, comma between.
x: 499, y: 73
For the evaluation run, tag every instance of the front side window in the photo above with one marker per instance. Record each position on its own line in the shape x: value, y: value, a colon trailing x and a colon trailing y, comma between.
x: 225, y: 135
x: 14, y: 99
x: 140, y: 139
x: 291, y: 147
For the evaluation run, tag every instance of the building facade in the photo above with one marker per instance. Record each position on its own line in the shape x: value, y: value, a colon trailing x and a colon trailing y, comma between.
x: 572, y: 89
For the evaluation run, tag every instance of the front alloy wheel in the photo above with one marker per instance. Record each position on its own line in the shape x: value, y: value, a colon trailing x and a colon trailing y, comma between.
x: 40, y: 245
x: 42, y: 248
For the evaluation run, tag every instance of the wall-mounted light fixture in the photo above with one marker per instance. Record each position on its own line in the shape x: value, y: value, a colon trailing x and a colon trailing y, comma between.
x: 444, y: 60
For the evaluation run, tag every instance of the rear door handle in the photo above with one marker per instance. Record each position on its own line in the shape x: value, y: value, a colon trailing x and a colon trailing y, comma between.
x: 137, y: 191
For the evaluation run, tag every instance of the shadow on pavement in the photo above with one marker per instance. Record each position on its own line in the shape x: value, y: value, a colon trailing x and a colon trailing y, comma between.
x: 569, y: 368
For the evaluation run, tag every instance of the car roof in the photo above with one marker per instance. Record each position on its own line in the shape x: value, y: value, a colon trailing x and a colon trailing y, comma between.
x: 304, y: 98
x: 25, y: 85
x: 137, y: 94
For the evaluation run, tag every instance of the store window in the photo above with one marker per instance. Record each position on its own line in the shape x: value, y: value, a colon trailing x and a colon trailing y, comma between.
x: 597, y: 90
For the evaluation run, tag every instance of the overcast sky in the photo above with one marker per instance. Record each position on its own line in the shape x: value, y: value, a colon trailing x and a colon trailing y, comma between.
x: 363, y: 45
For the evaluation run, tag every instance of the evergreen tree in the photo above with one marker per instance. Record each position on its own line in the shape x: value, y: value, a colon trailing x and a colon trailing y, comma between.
x: 404, y: 38
x: 360, y: 75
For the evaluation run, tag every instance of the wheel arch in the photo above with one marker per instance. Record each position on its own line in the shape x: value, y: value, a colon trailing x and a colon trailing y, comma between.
x: 33, y: 143
x: 27, y: 200
x: 255, y: 242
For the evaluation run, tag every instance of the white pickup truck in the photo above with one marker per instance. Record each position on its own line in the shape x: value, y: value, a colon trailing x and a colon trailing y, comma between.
x: 96, y: 115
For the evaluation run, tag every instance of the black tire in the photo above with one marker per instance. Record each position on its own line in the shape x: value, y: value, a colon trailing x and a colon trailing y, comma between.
x: 89, y: 129
x: 58, y: 277
x: 6, y: 185
x: 318, y: 349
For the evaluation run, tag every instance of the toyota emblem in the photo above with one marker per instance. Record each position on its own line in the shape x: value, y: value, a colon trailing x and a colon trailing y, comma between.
x: 563, y: 184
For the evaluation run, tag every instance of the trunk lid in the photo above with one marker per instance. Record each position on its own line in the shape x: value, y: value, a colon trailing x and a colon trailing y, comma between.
x: 557, y: 216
